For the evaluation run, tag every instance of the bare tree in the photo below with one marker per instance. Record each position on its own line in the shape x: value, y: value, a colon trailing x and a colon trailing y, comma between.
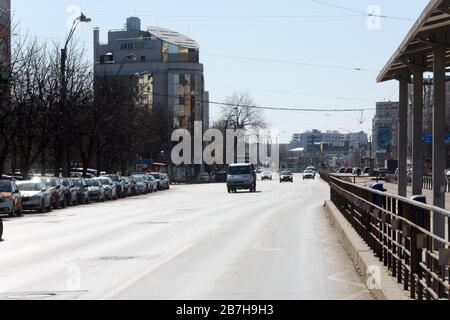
x: 239, y: 112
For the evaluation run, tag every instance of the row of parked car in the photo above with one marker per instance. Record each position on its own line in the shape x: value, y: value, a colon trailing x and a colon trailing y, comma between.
x: 47, y: 193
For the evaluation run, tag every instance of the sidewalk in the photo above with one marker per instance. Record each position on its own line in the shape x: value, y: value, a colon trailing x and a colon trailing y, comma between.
x: 393, y: 188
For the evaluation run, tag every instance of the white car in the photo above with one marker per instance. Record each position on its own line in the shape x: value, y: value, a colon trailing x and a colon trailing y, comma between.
x: 266, y: 175
x: 36, y: 196
x: 309, y: 174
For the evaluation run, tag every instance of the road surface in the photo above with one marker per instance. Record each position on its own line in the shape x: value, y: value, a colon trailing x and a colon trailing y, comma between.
x: 192, y: 242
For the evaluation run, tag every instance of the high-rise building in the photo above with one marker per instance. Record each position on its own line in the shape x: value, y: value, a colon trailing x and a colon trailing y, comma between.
x: 166, y: 66
x: 385, y: 132
x: 5, y: 44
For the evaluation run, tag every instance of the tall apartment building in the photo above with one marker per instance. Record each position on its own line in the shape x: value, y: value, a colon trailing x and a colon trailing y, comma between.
x: 385, y: 132
x: 165, y: 65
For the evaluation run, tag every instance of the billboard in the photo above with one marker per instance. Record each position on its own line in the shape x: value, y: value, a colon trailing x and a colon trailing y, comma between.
x: 384, y: 139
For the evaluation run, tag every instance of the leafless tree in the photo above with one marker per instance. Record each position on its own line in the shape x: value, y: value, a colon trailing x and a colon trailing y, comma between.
x: 239, y: 112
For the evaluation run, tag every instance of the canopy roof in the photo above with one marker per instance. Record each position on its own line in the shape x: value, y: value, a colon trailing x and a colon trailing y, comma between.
x: 421, y: 40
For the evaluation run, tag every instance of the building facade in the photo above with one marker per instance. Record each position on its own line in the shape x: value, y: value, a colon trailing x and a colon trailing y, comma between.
x: 166, y: 66
x: 385, y: 132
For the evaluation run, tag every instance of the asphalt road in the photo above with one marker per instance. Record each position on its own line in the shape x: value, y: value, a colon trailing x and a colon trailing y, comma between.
x: 192, y: 242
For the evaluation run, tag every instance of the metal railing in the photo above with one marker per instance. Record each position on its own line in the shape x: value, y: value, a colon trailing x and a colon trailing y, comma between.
x: 399, y: 232
x: 427, y: 182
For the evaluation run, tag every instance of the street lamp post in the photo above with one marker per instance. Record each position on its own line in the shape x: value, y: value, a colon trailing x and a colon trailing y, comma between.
x: 63, y: 94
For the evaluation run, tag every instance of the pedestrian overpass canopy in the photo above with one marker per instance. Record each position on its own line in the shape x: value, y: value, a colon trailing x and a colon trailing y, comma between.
x: 421, y: 40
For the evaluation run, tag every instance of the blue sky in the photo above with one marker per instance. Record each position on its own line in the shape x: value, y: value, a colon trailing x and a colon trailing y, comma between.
x: 296, y: 48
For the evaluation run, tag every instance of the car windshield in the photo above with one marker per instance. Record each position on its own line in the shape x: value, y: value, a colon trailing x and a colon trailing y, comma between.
x: 267, y: 172
x: 51, y: 182
x: 30, y: 186
x: 5, y: 186
x: 237, y: 170
x: 105, y: 182
x: 65, y: 183
x: 156, y: 176
x: 286, y: 173
x: 77, y: 183
x: 114, y: 178
x: 90, y: 183
x: 138, y: 179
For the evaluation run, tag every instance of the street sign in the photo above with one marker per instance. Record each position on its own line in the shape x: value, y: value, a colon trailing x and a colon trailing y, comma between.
x: 428, y: 138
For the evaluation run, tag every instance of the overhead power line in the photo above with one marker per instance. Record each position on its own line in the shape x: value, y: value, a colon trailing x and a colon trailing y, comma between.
x: 271, y: 108
x: 332, y: 5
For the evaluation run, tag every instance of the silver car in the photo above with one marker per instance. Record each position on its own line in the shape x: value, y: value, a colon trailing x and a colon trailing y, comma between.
x: 141, y: 185
x: 96, y: 190
x: 35, y: 196
x: 109, y: 186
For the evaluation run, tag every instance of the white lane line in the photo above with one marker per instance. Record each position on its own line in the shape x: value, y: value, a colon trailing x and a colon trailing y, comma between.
x: 115, y: 292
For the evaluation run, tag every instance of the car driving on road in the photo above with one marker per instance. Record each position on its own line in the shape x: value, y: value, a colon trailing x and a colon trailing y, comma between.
x: 241, y: 177
x: 286, y: 176
x: 266, y: 175
x: 35, y: 196
x: 308, y: 174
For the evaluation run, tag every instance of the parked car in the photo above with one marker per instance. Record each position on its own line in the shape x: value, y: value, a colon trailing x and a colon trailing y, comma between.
x: 81, y: 190
x: 35, y: 196
x: 10, y: 198
x: 56, y: 190
x: 167, y: 180
x: 132, y: 189
x: 357, y: 172
x: 341, y: 170
x: 119, y: 184
x: 266, y: 175
x: 348, y: 171
x: 203, y: 178
x: 221, y: 177
x: 367, y: 171
x: 96, y: 190
x: 286, y: 176
x: 109, y: 187
x: 141, y: 186
x: 153, y: 185
x: 308, y: 174
x: 162, y: 184
x: 70, y: 192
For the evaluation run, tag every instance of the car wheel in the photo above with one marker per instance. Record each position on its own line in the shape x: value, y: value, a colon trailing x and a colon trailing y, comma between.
x: 49, y: 208
x: 42, y: 208
x: 1, y: 229
x: 13, y: 211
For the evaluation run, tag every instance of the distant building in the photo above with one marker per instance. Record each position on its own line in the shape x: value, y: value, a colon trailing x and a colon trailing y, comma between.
x: 166, y: 66
x: 385, y: 132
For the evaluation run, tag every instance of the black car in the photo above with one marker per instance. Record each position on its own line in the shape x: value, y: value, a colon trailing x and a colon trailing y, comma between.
x: 70, y: 192
x: 81, y: 190
x: 221, y: 177
x: 286, y: 176
x: 57, y: 191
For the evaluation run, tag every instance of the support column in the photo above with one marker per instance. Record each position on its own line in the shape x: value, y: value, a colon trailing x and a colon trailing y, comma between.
x: 403, y: 135
x: 417, y: 127
x: 439, y: 129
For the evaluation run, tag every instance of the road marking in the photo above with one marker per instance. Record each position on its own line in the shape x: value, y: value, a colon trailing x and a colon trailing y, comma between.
x: 115, y: 292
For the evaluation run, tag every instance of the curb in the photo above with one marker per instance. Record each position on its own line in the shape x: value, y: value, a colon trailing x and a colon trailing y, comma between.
x: 363, y: 258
